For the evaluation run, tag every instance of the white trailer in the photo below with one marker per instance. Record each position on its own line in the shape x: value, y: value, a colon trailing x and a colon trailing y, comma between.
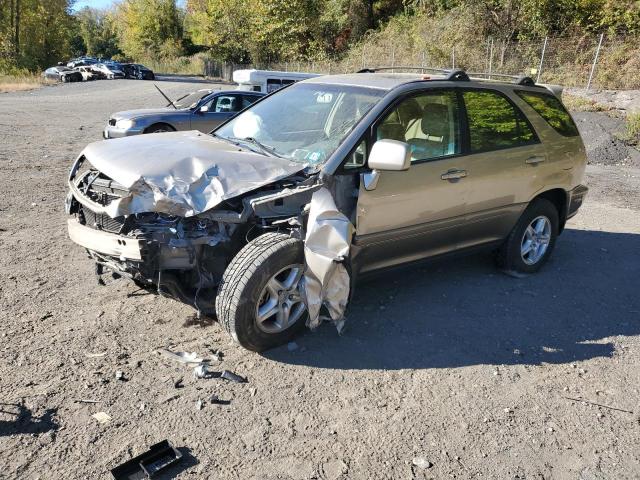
x: 267, y: 81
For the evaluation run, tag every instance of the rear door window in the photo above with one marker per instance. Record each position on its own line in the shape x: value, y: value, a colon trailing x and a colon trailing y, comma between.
x: 494, y: 122
x: 552, y: 110
x: 248, y: 100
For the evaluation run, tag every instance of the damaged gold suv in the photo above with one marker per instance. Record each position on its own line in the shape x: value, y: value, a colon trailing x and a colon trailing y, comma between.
x: 268, y: 221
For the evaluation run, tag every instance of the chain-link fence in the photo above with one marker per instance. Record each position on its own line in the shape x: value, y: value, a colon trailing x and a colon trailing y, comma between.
x: 589, y: 61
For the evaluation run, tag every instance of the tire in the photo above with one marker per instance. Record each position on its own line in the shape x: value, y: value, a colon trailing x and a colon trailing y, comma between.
x: 64, y: 79
x: 245, y: 290
x: 511, y: 255
x: 159, y: 128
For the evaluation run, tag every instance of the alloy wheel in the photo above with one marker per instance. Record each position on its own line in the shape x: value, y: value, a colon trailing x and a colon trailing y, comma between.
x: 281, y: 304
x: 536, y: 240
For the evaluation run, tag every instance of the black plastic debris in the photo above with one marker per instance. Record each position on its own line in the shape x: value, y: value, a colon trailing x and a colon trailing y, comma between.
x: 219, y: 401
x: 160, y: 456
x: 227, y: 375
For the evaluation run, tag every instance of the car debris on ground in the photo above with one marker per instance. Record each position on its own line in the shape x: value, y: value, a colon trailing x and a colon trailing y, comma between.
x: 102, y: 417
x: 159, y: 456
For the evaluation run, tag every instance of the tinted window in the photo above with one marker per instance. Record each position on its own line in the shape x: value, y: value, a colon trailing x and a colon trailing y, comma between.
x: 248, y: 100
x: 494, y: 123
x: 550, y: 108
x: 273, y: 84
x: 428, y: 122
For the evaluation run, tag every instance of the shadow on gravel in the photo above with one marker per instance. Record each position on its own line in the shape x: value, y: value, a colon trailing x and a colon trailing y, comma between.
x: 464, y: 312
x: 23, y: 421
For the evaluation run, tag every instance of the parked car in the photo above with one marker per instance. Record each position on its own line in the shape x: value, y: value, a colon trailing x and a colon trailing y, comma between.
x: 110, y: 71
x: 87, y: 73
x: 62, y: 74
x: 344, y: 175
x: 81, y: 62
x: 135, y: 70
x: 202, y: 110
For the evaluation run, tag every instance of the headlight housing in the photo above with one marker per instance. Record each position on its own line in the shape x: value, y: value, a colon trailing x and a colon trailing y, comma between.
x: 124, y: 124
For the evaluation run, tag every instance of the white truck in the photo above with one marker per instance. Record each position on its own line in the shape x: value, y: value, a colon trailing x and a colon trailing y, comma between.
x: 267, y: 81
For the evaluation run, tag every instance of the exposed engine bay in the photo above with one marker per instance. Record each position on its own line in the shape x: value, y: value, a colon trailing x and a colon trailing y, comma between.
x: 184, y: 257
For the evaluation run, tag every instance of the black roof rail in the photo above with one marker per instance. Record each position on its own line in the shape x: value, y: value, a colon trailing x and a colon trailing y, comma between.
x: 517, y: 79
x: 458, y: 76
x: 526, y: 81
x: 454, y: 75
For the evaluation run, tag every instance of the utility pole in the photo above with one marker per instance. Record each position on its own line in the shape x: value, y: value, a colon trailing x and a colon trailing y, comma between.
x: 595, y: 61
x: 544, y: 49
x: 17, y: 29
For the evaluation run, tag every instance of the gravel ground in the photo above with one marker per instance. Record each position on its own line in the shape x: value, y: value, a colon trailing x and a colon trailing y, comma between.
x: 470, y: 372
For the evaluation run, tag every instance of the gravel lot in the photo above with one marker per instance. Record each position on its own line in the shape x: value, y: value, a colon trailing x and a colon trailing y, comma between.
x: 454, y: 363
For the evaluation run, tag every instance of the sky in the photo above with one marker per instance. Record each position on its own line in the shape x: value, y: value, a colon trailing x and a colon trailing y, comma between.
x: 100, y: 4
x: 92, y: 3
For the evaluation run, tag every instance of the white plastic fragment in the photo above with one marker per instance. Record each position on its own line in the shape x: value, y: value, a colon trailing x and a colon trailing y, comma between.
x: 102, y: 417
x: 327, y: 242
x: 182, y: 357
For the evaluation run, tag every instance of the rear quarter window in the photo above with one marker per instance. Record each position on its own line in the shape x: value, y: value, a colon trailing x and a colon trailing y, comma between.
x: 552, y: 110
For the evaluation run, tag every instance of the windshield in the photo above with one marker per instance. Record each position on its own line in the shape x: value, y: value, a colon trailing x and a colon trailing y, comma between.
x: 192, y: 99
x: 305, y: 122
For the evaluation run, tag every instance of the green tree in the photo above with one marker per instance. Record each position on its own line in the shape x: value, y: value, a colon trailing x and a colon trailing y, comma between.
x: 97, y: 28
x: 149, y: 28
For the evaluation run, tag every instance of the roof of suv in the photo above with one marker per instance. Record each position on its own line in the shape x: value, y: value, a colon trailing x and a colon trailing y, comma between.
x: 387, y: 80
x: 384, y: 81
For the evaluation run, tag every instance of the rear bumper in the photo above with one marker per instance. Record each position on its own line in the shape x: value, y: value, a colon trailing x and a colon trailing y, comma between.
x: 576, y: 197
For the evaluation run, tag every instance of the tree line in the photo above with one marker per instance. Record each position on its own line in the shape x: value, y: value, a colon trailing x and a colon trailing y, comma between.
x: 35, y: 34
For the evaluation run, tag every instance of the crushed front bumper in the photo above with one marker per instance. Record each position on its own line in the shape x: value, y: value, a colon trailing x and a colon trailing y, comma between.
x: 111, y: 244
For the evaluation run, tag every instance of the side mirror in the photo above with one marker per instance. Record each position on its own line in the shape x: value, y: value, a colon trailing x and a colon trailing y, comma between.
x: 204, y: 109
x: 390, y: 155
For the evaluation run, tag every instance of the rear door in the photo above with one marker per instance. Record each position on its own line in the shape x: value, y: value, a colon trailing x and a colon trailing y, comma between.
x: 419, y: 212
x: 504, y: 166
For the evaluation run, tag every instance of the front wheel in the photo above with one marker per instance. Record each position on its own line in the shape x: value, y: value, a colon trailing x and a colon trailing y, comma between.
x: 159, y: 128
x: 259, y: 302
x: 530, y: 243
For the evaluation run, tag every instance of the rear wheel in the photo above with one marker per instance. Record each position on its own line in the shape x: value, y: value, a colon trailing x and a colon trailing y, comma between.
x: 530, y: 243
x: 259, y: 302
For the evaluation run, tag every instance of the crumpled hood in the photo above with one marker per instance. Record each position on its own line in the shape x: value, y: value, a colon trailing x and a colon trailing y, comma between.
x: 181, y: 173
x: 143, y: 112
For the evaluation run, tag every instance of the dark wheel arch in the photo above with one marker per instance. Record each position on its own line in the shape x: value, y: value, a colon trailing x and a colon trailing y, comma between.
x: 559, y: 198
x: 159, y: 127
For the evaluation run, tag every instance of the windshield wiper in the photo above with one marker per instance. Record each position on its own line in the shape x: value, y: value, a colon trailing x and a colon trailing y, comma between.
x: 266, y: 149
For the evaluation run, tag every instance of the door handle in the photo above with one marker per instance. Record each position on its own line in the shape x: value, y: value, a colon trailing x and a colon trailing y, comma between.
x: 535, y: 159
x: 453, y: 174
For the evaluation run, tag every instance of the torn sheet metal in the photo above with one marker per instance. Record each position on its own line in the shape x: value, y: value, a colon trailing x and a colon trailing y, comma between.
x: 327, y: 241
x: 181, y: 173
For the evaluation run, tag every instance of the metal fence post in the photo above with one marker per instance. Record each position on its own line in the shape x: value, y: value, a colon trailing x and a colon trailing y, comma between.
x: 595, y: 61
x: 363, y: 48
x: 422, y: 64
x: 393, y: 58
x: 544, y: 49
x: 490, y: 58
x: 453, y: 58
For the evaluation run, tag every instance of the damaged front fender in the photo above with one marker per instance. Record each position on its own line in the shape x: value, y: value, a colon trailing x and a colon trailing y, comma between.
x: 327, y: 242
